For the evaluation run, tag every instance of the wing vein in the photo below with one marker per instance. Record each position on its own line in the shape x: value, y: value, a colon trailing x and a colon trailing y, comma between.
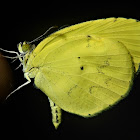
x: 89, y: 80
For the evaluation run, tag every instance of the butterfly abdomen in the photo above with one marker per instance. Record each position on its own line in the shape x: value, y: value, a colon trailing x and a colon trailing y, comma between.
x: 56, y: 114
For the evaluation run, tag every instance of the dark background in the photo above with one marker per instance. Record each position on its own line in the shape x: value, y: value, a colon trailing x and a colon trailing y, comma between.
x: 26, y: 114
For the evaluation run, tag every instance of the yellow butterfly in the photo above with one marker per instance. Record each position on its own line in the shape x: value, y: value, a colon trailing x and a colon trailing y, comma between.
x: 85, y: 68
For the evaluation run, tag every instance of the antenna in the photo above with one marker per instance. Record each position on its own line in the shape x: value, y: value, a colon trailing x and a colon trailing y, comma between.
x: 38, y: 38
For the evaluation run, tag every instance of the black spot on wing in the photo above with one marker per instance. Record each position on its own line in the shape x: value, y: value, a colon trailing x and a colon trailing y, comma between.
x: 82, y: 68
x: 89, y: 114
x: 88, y: 36
x: 88, y: 41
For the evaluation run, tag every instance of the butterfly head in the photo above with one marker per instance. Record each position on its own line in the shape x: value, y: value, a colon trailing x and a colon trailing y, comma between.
x: 24, y: 47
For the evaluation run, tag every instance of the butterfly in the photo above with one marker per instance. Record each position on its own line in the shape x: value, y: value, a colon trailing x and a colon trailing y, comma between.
x: 85, y: 68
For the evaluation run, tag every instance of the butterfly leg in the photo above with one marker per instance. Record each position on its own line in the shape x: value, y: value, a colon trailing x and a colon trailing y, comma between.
x: 56, y: 114
x: 26, y: 83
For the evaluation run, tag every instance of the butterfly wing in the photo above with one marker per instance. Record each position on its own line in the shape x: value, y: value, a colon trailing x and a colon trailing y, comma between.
x: 84, y: 74
x: 124, y: 30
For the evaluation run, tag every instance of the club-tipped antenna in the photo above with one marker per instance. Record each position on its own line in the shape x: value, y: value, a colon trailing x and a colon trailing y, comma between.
x: 40, y: 37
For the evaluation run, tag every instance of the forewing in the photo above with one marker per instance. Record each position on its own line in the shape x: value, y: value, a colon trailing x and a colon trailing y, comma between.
x: 124, y: 30
x: 85, y: 74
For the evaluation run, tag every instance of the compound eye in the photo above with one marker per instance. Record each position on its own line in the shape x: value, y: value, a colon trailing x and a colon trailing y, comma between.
x: 25, y: 47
